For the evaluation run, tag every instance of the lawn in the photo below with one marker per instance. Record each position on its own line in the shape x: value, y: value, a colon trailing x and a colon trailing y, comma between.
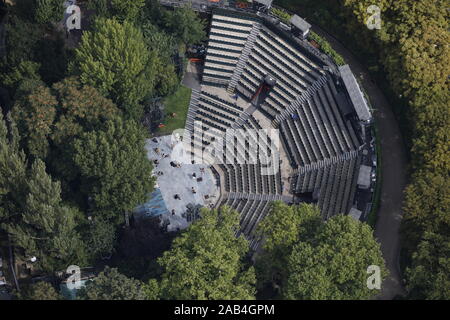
x: 177, y: 103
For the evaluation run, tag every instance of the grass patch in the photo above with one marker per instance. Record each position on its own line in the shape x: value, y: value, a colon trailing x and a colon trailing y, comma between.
x: 177, y: 103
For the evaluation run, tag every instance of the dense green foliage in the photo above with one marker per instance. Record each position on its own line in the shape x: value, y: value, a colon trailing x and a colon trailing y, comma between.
x: 26, y: 42
x: 42, y: 291
x: 53, y: 116
x: 101, y: 7
x: 207, y: 261
x: 115, y: 59
x: 112, y: 285
x: 102, y: 237
x: 25, y: 70
x: 305, y: 258
x: 410, y: 50
x: 185, y: 24
x: 60, y: 200
x: 114, y: 168
x: 127, y: 9
x: 333, y: 264
x: 33, y: 213
x: 49, y: 11
x: 282, y: 229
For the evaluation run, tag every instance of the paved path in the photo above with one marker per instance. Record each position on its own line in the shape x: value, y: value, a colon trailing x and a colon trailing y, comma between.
x: 394, y: 178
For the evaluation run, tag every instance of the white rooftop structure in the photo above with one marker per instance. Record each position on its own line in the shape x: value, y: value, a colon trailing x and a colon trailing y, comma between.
x: 267, y: 3
x: 355, y: 93
x: 300, y: 24
x: 355, y: 213
x: 364, y: 176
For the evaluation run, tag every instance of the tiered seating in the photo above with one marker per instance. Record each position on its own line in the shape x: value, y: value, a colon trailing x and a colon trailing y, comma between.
x: 321, y: 144
x: 294, y: 73
x: 334, y: 184
x: 320, y: 131
x: 216, y: 114
x: 247, y: 178
x: 227, y: 38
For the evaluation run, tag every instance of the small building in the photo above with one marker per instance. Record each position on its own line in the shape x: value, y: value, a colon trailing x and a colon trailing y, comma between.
x: 355, y: 213
x: 262, y: 5
x: 356, y: 95
x: 300, y: 27
x: 364, y: 177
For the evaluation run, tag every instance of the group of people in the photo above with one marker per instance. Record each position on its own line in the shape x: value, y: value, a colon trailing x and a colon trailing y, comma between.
x: 175, y: 164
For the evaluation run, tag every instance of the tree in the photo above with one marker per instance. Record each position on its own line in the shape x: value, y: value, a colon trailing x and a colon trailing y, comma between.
x: 39, y: 223
x: 35, y: 114
x: 101, y: 238
x: 54, y: 116
x: 207, y: 260
x: 42, y: 291
x: 427, y: 203
x: 115, y: 171
x: 127, y: 9
x: 411, y: 50
x: 45, y: 227
x: 281, y: 229
x: 168, y: 81
x: 430, y: 266
x: 12, y: 169
x: 26, y: 70
x: 164, y: 46
x: 82, y: 108
x: 112, y: 285
x: 100, y: 7
x: 22, y: 38
x: 115, y: 59
x: 421, y: 37
x: 152, y: 290
x: 306, y: 258
x: 333, y: 264
x: 49, y: 11
x: 185, y: 25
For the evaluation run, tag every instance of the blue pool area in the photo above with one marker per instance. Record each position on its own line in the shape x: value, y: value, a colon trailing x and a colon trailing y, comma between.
x: 154, y: 207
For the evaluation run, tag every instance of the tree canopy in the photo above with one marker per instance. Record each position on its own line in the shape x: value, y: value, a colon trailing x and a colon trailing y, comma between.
x: 207, y: 261
x: 112, y: 285
x: 185, y: 25
x: 42, y: 291
x: 306, y: 258
x: 281, y: 230
x: 33, y: 213
x: 114, y: 58
x: 115, y: 171
x: 333, y: 264
x: 127, y: 9
x: 53, y: 116
x: 72, y: 157
x: 49, y: 11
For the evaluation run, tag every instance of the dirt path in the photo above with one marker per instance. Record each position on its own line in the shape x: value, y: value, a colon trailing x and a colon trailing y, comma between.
x: 394, y: 164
